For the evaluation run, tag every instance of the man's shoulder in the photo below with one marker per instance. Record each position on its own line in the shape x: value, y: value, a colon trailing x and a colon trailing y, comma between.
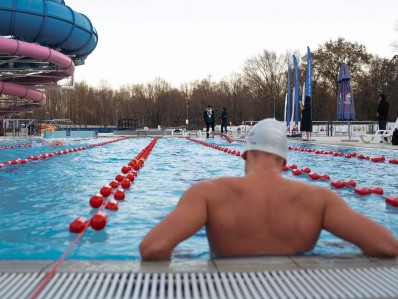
x: 308, y: 190
x: 224, y: 183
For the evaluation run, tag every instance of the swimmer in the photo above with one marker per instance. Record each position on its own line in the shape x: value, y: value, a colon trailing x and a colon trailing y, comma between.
x: 56, y: 143
x: 228, y: 138
x: 263, y: 212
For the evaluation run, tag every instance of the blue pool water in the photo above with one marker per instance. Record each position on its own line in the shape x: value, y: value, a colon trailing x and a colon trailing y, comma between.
x: 41, y: 198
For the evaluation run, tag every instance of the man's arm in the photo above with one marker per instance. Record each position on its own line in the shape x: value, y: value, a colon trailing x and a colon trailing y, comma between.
x: 186, y: 219
x: 373, y: 238
x: 229, y: 139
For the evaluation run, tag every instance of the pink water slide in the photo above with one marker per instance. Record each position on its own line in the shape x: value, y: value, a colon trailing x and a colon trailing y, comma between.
x: 18, y: 86
x: 42, y: 42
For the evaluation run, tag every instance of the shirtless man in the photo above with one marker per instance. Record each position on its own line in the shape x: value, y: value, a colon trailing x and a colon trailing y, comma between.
x: 262, y: 212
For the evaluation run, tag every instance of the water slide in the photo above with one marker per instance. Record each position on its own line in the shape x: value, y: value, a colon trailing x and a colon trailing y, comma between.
x: 42, y: 41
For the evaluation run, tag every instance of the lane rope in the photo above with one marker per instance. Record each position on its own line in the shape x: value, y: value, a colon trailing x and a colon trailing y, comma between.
x: 139, y: 159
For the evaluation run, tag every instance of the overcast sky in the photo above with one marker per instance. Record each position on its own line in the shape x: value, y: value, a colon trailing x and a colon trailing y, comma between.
x: 185, y: 40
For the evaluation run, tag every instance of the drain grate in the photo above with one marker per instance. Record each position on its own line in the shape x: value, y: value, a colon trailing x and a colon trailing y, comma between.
x: 317, y: 283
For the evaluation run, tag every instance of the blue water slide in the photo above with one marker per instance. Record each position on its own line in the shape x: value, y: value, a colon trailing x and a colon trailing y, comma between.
x: 49, y: 23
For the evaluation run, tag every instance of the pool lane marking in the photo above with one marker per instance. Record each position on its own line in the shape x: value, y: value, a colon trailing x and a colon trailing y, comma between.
x: 37, y: 157
x: 216, y: 147
x: 99, y: 220
x: 25, y: 145
x: 308, y: 150
x: 143, y: 155
x: 348, y: 156
x: 362, y: 191
x: 338, y: 184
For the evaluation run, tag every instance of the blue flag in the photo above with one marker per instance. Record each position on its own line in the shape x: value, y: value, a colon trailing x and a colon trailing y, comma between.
x: 308, y: 75
x: 296, y: 91
x: 288, y: 96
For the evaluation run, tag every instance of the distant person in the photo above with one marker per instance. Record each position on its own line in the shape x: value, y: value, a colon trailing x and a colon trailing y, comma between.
x: 56, y: 143
x: 306, y: 118
x: 382, y: 111
x: 262, y: 212
x: 225, y: 136
x: 208, y: 116
x: 224, y: 120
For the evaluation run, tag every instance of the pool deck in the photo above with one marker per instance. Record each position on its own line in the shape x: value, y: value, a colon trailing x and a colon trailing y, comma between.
x: 268, y: 265
x: 246, y: 264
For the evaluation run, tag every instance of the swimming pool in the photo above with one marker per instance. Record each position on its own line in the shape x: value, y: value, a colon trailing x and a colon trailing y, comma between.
x: 41, y: 198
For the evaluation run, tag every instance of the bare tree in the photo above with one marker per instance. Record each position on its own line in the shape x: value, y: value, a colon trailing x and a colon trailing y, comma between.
x: 265, y: 76
x: 395, y: 42
x: 329, y: 57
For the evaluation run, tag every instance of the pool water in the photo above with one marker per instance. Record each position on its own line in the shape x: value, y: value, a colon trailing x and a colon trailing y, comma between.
x: 41, y: 198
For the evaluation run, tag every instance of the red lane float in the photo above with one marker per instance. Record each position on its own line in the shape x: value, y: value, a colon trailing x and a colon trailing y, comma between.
x: 392, y: 200
x: 350, y: 183
x: 78, y: 225
x: 314, y: 176
x: 126, y: 183
x: 376, y: 190
x: 112, y: 205
x: 114, y: 184
x: 106, y: 191
x: 99, y: 220
x: 96, y: 200
x: 362, y: 191
x: 119, y: 177
x: 337, y: 184
x: 325, y: 177
x: 296, y: 172
x: 119, y: 194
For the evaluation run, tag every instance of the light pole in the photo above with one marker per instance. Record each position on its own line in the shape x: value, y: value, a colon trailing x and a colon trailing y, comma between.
x: 274, y: 105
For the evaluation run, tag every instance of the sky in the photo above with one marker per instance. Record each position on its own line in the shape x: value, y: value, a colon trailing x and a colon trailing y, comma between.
x: 181, y: 41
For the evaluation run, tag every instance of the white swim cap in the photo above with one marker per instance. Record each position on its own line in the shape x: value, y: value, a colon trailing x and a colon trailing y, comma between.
x: 268, y: 135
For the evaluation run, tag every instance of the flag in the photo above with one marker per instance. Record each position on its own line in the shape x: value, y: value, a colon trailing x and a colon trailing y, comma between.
x: 296, y: 91
x: 308, y: 75
x: 287, y: 113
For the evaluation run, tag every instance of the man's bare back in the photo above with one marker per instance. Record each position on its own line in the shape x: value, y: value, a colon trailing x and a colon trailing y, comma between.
x: 262, y: 215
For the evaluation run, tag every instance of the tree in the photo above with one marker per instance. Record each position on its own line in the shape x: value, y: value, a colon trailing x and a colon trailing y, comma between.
x: 265, y: 76
x: 395, y: 42
x: 327, y: 61
x: 329, y: 57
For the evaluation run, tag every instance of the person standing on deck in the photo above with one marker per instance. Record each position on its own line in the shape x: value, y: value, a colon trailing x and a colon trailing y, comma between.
x: 306, y: 118
x: 382, y: 111
x: 208, y: 116
x: 224, y: 120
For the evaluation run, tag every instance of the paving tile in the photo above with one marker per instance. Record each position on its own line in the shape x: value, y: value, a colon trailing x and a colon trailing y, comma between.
x: 21, y: 266
x: 386, y: 262
x: 98, y: 266
x: 334, y: 261
x: 250, y: 264
x: 178, y: 265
